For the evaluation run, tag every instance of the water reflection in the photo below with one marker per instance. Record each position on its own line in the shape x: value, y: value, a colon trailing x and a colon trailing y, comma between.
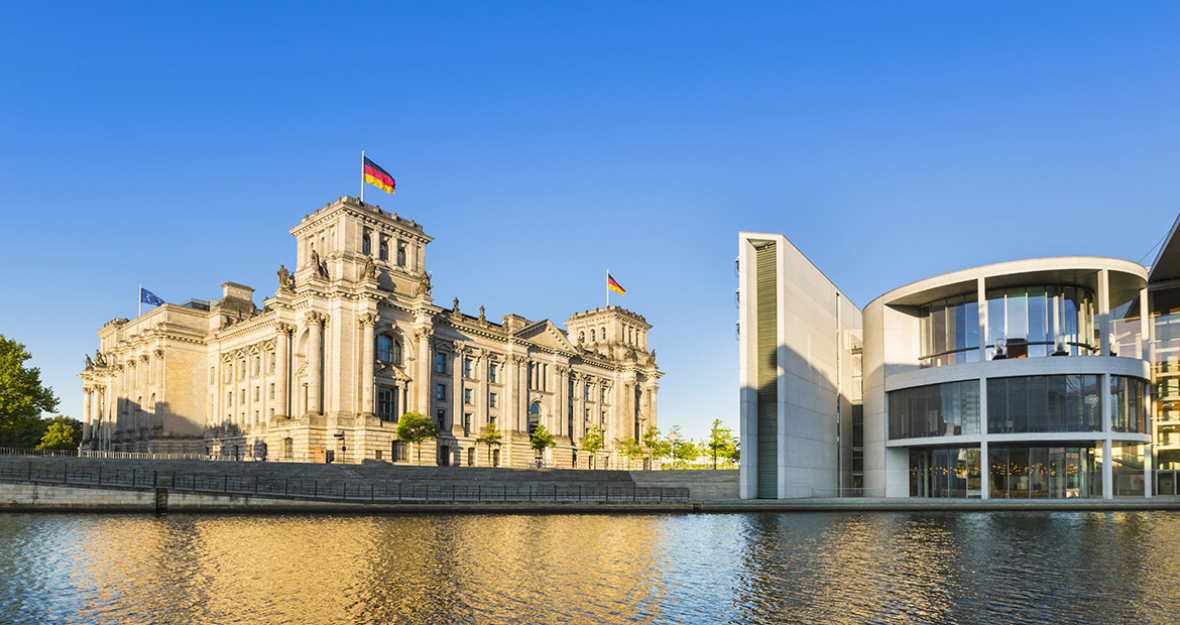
x: 761, y: 568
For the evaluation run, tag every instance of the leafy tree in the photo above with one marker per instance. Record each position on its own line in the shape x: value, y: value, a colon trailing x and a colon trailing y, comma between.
x: 21, y: 394
x: 631, y: 449
x: 593, y: 443
x: 541, y: 439
x: 720, y: 440
x: 62, y: 433
x: 734, y: 454
x: 685, y: 450
x: 490, y: 437
x: 23, y: 432
x: 414, y: 428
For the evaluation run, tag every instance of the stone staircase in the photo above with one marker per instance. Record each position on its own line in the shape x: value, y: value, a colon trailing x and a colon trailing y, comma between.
x: 701, y: 484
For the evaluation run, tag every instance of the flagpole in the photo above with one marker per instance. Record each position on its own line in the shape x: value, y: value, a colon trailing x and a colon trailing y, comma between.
x: 362, y: 176
x: 608, y: 288
x: 141, y: 300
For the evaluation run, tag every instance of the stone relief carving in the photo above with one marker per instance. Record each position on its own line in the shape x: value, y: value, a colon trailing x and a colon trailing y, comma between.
x: 99, y: 359
x: 321, y: 268
x: 370, y: 270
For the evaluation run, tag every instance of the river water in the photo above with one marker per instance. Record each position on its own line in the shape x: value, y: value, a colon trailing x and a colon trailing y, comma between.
x: 1015, y: 567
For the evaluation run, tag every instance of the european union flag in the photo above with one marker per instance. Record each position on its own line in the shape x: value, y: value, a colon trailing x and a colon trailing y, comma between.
x: 147, y: 297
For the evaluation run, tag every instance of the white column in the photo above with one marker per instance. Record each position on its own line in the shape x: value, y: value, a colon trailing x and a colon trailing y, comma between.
x: 981, y: 304
x: 368, y: 322
x: 1103, y: 313
x: 314, y: 362
x: 1107, y: 459
x: 86, y: 415
x: 282, y: 373
x: 1144, y: 324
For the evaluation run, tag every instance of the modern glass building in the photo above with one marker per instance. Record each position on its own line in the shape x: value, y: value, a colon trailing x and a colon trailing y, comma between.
x: 1028, y: 379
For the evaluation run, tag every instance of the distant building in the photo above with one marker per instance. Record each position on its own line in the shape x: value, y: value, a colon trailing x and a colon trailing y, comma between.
x: 1026, y: 379
x: 349, y: 342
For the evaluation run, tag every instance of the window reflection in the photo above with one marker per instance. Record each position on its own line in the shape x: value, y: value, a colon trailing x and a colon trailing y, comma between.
x: 949, y: 409
x: 953, y: 472
x: 1040, y: 321
x: 1030, y: 472
x: 950, y: 331
x: 1044, y: 403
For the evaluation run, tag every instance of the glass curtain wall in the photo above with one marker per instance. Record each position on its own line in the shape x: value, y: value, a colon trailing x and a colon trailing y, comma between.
x: 1041, y: 321
x: 953, y: 472
x: 949, y: 409
x: 1055, y: 472
x: 1165, y: 377
x: 1044, y: 403
x: 949, y: 331
x: 1127, y: 469
x: 1128, y: 410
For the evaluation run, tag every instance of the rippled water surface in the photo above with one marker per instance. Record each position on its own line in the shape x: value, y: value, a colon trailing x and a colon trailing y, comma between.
x: 755, y: 568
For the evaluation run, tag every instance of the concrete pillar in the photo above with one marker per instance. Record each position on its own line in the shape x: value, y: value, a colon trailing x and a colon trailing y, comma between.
x: 985, y: 475
x: 368, y: 323
x: 1144, y: 325
x: 1103, y: 313
x: 315, y: 363
x: 282, y: 370
x: 86, y: 414
x: 1107, y: 459
x: 981, y: 301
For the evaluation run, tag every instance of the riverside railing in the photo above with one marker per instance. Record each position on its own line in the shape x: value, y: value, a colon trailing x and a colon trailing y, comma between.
x: 355, y: 491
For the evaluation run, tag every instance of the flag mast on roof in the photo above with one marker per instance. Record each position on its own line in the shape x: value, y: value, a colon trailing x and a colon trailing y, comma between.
x: 373, y: 174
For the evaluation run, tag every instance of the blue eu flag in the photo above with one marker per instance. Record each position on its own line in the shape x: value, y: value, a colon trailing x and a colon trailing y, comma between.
x: 147, y: 297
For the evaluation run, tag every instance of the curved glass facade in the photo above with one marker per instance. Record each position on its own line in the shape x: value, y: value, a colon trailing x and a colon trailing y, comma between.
x: 1056, y: 472
x: 949, y: 409
x: 1128, y: 405
x: 951, y: 472
x: 1044, y: 403
x: 949, y: 331
x: 1041, y: 321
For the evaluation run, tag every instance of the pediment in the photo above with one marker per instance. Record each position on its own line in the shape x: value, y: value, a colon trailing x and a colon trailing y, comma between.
x: 544, y: 333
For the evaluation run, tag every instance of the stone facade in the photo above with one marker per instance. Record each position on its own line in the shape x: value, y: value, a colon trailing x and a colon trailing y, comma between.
x: 350, y: 341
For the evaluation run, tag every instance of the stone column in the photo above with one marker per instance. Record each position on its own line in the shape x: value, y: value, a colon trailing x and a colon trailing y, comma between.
x: 368, y: 322
x: 374, y: 243
x: 458, y: 406
x: 422, y: 386
x: 282, y: 370
x: 86, y: 415
x: 315, y: 362
x: 1103, y: 317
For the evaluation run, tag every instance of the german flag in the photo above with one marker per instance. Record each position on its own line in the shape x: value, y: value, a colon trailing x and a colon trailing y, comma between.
x: 614, y: 286
x: 378, y: 177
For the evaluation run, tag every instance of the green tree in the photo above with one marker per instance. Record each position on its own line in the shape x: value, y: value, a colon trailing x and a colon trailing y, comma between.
x: 593, y: 443
x: 414, y: 428
x: 22, y: 396
x: 541, y: 440
x: 490, y: 437
x: 631, y: 449
x: 62, y: 433
x: 686, y: 451
x: 651, y: 438
x: 720, y: 439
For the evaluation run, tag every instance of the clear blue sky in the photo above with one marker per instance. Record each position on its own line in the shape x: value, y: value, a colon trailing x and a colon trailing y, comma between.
x: 173, y: 144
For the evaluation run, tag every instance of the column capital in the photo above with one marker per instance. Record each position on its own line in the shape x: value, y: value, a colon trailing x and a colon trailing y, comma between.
x: 368, y: 319
x: 313, y: 318
x: 283, y: 327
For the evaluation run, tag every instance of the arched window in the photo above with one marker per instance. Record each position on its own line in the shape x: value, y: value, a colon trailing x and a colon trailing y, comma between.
x: 401, y: 253
x: 366, y: 244
x: 582, y: 336
x: 384, y: 247
x: 592, y: 337
x: 384, y: 348
x: 534, y: 416
x: 603, y: 333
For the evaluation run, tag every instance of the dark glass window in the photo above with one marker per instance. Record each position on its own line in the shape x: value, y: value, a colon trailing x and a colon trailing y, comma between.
x: 1045, y: 403
x: 949, y: 409
x: 386, y: 404
x: 440, y: 363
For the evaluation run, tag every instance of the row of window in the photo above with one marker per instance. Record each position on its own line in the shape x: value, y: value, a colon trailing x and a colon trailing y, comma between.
x: 1028, y: 321
x: 383, y: 247
x: 631, y: 336
x: 242, y: 368
x: 257, y: 395
x: 1018, y: 405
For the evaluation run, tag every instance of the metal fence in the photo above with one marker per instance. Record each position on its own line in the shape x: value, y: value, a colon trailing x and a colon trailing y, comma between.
x: 340, y: 490
x: 115, y: 455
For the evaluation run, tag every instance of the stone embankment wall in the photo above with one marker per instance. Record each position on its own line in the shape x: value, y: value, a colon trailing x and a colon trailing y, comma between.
x: 18, y: 496
x: 702, y: 484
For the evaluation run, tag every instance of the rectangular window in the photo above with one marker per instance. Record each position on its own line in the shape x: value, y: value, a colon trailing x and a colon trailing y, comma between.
x: 467, y: 396
x: 604, y: 394
x: 586, y: 391
x: 230, y: 399
x: 492, y: 373
x: 212, y: 374
x: 491, y: 400
x: 257, y: 365
x: 467, y: 424
x: 272, y: 362
x: 492, y: 420
x: 442, y: 418
x: 243, y: 396
x: 272, y: 413
x: 385, y: 404
x: 440, y: 391
x: 587, y: 415
x: 272, y: 390
x: 255, y: 416
x: 440, y: 363
x: 467, y: 367
x: 242, y: 369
